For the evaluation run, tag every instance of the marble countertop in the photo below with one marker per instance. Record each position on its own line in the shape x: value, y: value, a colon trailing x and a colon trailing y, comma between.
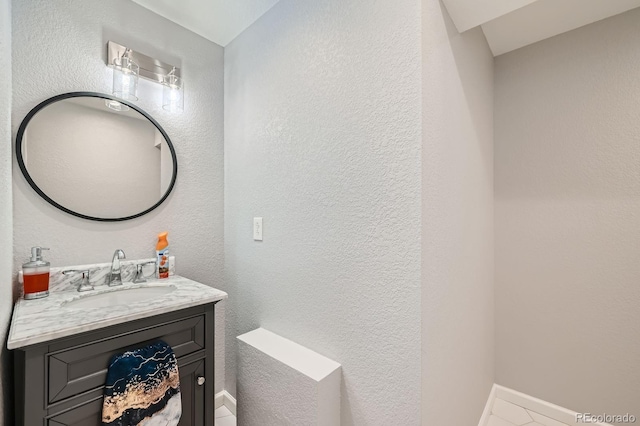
x: 53, y: 317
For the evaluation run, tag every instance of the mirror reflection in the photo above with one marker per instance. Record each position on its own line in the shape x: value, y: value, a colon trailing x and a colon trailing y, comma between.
x: 97, y: 157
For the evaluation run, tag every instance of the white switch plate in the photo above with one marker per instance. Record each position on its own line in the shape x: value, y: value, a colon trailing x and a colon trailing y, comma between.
x: 257, y: 228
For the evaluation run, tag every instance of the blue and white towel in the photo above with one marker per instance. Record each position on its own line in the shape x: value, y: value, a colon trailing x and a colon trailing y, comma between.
x: 143, y: 388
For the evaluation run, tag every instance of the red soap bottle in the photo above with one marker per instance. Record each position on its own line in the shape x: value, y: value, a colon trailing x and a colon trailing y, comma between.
x: 35, y: 275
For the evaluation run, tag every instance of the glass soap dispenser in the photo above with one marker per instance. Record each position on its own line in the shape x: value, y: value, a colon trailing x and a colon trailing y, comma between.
x: 35, y: 275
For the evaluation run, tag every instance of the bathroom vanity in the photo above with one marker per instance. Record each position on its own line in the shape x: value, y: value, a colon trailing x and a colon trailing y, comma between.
x: 63, y: 344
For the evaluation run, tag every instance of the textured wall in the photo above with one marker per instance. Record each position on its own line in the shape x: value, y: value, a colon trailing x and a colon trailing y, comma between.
x: 457, y: 232
x: 567, y: 216
x: 322, y: 139
x: 59, y: 46
x: 6, y: 218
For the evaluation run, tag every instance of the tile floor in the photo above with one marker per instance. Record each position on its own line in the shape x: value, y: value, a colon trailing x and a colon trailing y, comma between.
x: 224, y: 417
x: 505, y: 413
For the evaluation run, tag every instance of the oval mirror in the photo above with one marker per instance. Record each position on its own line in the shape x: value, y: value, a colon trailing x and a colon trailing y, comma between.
x: 96, y: 157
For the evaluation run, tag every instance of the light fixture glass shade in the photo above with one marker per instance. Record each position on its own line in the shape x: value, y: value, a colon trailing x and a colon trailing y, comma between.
x: 125, y: 79
x: 173, y: 93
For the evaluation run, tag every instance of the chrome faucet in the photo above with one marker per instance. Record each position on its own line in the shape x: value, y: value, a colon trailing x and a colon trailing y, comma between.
x: 115, y: 277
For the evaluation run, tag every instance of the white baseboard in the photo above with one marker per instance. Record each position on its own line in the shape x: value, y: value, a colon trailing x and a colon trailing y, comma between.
x: 484, y: 420
x: 224, y: 398
x: 539, y: 406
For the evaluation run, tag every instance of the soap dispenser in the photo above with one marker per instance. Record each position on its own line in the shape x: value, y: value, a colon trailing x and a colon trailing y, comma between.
x: 35, y: 275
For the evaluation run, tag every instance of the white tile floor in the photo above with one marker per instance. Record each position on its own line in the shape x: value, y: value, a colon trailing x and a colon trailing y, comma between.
x: 224, y: 417
x: 505, y: 413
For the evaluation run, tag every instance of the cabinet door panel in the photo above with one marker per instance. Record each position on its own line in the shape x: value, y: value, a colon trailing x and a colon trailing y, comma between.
x: 192, y: 394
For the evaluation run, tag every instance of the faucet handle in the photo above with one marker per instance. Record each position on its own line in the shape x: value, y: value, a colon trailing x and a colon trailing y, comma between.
x: 85, y: 285
x: 140, y: 278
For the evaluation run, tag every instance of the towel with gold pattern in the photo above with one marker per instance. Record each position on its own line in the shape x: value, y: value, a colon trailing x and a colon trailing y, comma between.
x: 143, y: 388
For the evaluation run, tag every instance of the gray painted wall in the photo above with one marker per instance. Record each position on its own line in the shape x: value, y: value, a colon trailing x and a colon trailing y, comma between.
x: 457, y: 229
x: 60, y: 47
x: 567, y: 187
x: 6, y: 213
x: 322, y: 140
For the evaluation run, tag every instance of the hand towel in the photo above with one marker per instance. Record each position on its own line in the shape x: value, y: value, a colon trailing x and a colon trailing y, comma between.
x: 143, y: 388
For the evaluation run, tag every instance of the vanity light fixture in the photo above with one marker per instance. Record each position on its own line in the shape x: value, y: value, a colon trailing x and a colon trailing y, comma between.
x: 125, y: 77
x: 115, y: 105
x: 172, y: 93
x: 125, y: 61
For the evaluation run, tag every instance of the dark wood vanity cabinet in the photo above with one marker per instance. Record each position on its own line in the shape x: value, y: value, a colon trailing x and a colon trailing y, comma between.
x: 60, y: 383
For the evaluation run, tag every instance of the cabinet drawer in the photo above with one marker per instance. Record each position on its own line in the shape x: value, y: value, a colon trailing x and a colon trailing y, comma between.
x: 193, y: 407
x: 82, y: 368
x: 86, y: 415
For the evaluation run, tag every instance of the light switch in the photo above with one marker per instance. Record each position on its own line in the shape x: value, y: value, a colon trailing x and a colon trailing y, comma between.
x: 257, y: 228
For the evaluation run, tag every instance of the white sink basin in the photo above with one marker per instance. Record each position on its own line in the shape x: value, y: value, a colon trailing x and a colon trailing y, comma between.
x: 119, y: 297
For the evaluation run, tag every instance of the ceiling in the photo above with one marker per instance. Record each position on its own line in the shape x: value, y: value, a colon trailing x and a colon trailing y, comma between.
x: 217, y: 20
x: 512, y: 24
x: 507, y: 24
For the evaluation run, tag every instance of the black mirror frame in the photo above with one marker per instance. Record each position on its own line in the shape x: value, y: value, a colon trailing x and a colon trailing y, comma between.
x: 23, y: 168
